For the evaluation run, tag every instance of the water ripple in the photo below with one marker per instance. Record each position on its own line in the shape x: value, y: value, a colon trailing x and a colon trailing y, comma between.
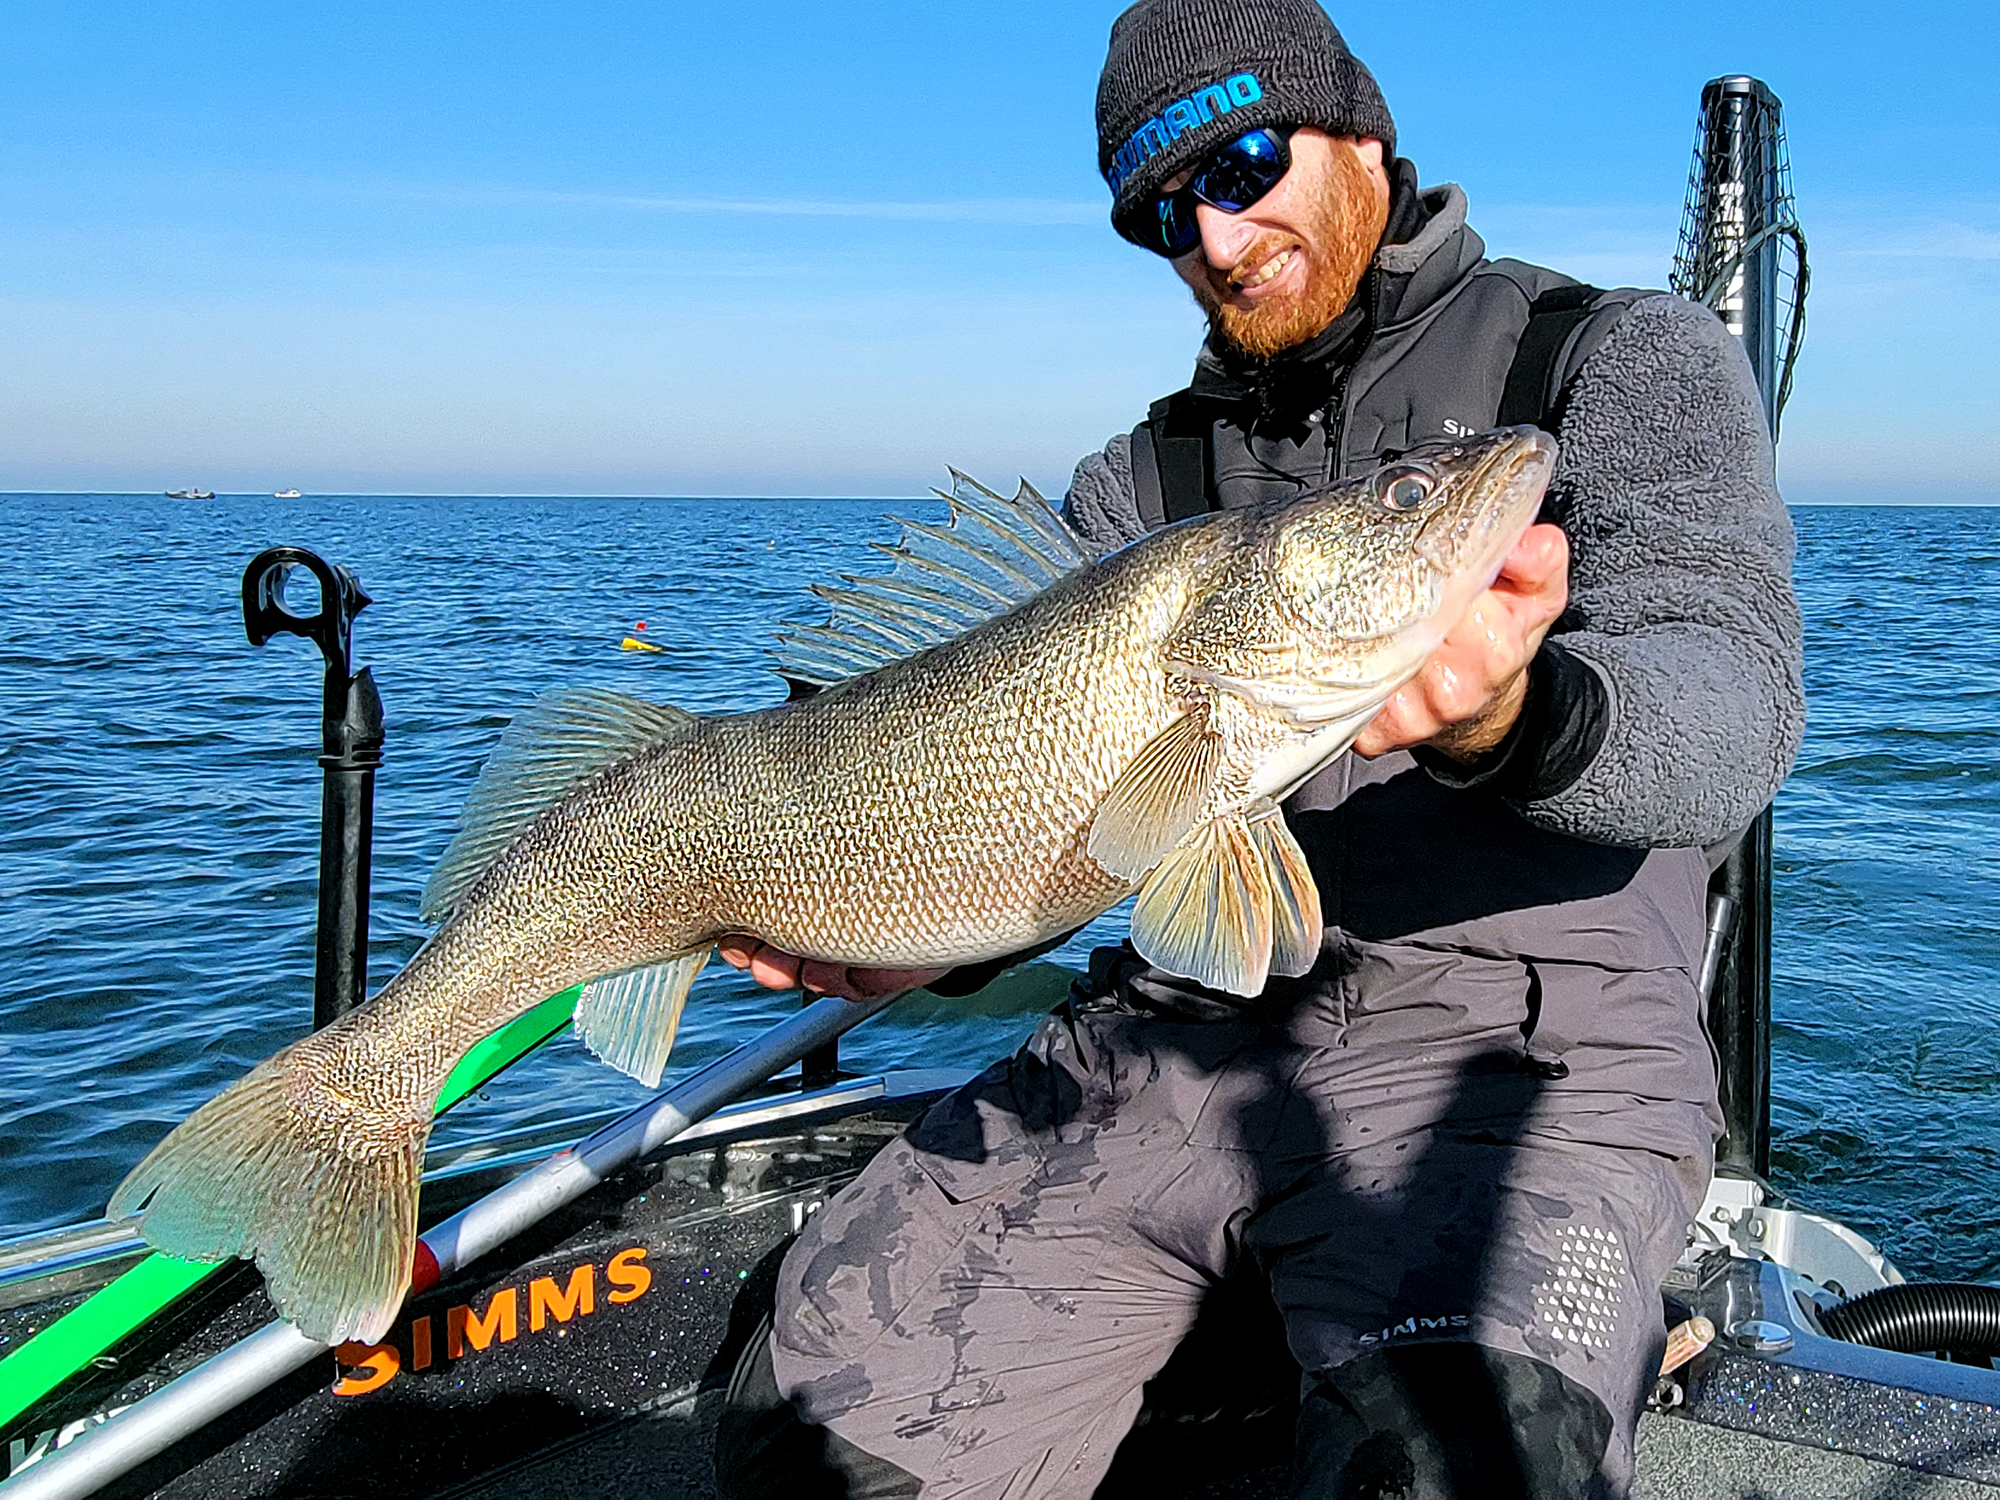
x: 159, y: 813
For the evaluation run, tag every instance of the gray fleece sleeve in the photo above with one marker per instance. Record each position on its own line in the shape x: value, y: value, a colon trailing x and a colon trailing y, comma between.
x: 1680, y: 585
x: 1102, y: 506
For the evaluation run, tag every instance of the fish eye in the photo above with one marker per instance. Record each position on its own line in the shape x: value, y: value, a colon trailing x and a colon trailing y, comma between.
x: 1404, y: 487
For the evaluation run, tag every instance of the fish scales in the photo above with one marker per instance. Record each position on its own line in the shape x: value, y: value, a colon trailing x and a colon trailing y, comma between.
x: 1132, y: 727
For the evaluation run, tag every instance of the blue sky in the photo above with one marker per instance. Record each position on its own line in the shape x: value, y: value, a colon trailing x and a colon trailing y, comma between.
x: 808, y: 249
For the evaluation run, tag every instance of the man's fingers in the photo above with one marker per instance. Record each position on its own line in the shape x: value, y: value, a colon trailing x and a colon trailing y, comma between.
x: 778, y: 970
x: 825, y: 978
x: 868, y: 983
x: 1538, y: 559
x: 774, y: 968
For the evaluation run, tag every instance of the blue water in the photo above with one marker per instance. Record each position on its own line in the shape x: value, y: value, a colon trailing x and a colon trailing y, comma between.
x: 159, y: 813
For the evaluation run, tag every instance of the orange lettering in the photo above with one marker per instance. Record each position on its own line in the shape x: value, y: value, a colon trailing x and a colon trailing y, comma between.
x: 380, y: 1361
x: 579, y: 1297
x: 461, y: 1323
x: 420, y: 1344
x: 628, y: 1275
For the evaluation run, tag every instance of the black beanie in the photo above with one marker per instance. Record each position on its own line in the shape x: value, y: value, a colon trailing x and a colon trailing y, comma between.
x: 1186, y: 76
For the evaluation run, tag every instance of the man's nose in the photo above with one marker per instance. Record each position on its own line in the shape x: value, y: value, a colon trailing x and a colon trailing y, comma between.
x: 1224, y: 236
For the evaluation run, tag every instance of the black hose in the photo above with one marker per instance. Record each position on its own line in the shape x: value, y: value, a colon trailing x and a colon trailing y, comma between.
x: 1918, y: 1317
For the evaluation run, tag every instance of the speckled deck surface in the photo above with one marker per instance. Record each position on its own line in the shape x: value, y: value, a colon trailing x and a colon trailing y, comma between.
x: 664, y: 1453
x: 1680, y: 1460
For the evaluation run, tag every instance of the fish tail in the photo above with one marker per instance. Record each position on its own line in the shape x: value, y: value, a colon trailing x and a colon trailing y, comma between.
x: 319, y: 1190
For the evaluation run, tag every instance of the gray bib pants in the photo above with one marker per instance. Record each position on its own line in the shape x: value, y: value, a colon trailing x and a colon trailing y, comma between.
x: 1446, y: 1134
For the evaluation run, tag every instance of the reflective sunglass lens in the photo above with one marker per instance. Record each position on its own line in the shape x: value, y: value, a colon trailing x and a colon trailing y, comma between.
x: 1242, y: 173
x: 1232, y: 180
x: 1179, y: 232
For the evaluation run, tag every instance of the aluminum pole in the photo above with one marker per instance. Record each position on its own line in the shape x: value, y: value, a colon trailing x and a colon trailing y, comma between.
x: 149, y: 1427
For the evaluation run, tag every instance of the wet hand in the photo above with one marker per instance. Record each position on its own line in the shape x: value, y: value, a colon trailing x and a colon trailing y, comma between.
x: 1468, y: 695
x: 776, y: 969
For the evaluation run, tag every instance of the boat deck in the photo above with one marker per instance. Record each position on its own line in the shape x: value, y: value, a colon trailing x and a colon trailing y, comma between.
x: 665, y: 1452
x: 590, y: 1360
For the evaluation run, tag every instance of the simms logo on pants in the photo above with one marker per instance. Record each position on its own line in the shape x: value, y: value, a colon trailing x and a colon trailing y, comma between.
x: 1171, y: 123
x: 1411, y: 1326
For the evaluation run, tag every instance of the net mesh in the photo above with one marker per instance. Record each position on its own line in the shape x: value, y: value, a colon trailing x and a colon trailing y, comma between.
x: 1742, y: 251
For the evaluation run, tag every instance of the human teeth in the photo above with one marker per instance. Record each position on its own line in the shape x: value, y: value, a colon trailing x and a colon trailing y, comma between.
x: 1270, y: 268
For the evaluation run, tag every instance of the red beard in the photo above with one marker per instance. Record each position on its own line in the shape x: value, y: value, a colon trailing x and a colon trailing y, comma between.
x: 1342, y: 224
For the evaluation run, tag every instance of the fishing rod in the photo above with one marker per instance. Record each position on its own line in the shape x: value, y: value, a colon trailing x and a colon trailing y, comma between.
x: 185, y: 1405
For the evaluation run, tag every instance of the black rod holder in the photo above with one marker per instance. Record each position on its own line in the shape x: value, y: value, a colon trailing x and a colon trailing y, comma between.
x: 351, y: 750
x: 819, y: 1068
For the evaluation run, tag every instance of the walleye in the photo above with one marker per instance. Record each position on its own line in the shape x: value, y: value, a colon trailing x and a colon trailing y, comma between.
x: 1011, y: 739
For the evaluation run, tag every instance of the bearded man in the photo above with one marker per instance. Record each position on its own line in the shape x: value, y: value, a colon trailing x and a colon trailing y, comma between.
x: 1464, y: 1150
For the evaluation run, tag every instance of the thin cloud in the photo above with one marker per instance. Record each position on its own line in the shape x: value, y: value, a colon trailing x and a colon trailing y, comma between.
x: 958, y: 211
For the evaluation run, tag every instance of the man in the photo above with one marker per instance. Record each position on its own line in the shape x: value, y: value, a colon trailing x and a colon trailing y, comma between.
x: 1465, y: 1149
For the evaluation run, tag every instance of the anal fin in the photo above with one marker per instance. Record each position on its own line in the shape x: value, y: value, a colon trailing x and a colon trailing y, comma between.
x: 1156, y: 797
x: 1205, y: 913
x: 629, y: 1019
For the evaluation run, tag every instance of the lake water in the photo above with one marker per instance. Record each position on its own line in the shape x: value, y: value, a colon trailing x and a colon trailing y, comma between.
x: 159, y: 814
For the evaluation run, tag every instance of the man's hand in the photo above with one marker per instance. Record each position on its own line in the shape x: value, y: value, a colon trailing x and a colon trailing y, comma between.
x: 776, y: 969
x: 1470, y: 692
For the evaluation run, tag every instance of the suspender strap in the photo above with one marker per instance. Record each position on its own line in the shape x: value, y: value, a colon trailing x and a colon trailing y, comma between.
x: 1552, y: 318
x: 1180, y: 425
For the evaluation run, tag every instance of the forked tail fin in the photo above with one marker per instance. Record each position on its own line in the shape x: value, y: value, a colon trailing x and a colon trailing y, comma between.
x: 329, y: 1214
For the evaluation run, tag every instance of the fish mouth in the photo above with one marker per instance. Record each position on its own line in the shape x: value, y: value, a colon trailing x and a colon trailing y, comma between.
x: 1477, y: 534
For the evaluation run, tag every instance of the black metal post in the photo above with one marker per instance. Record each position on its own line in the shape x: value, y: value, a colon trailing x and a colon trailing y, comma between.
x: 1738, y: 200
x: 351, y: 734
x: 353, y: 745
x: 819, y: 1068
x: 1739, y: 1008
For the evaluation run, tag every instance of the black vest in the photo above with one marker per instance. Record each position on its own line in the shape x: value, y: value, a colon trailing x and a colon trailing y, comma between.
x: 1500, y: 346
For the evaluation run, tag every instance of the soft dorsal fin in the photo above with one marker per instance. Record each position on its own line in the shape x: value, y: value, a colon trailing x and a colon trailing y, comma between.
x: 993, y: 554
x: 561, y: 741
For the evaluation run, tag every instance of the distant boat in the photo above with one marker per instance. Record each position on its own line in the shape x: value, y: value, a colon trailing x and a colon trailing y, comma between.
x: 284, y: 494
x: 190, y: 494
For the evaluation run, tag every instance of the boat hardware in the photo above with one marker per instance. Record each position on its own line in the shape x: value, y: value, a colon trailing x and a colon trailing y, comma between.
x: 151, y: 1426
x: 1743, y: 254
x: 351, y: 746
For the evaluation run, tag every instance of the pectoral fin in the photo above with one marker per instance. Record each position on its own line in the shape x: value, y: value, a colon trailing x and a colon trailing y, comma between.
x: 630, y: 1019
x: 1205, y: 913
x: 1157, y: 797
x: 1296, y: 923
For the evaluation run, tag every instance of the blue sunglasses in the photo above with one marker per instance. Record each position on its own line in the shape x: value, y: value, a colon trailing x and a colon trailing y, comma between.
x: 1232, y: 179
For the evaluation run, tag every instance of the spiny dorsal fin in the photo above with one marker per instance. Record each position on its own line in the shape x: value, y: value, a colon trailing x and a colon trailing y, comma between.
x: 563, y: 739
x: 993, y: 554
